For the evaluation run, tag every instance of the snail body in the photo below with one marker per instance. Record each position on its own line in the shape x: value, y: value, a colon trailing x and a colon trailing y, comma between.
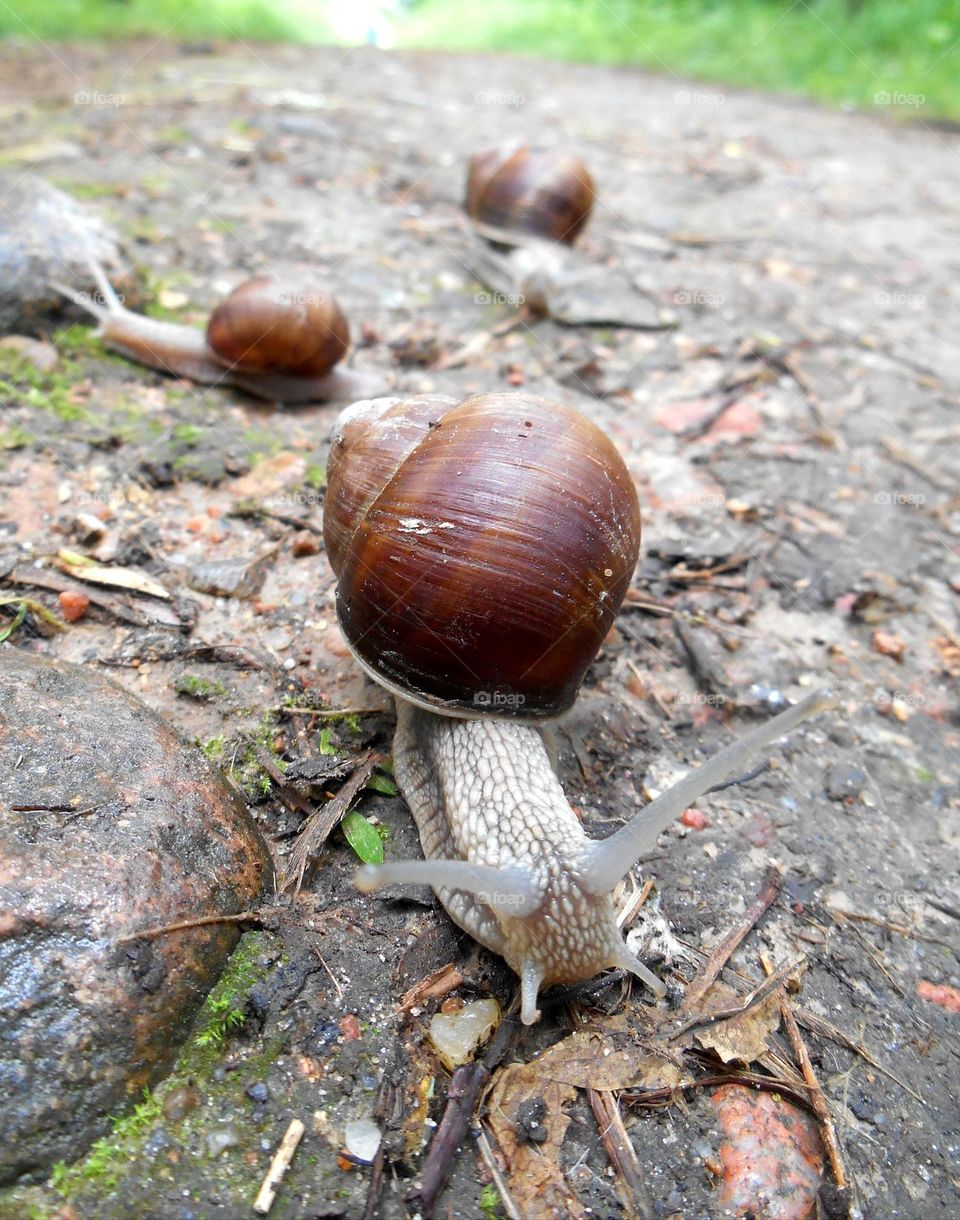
x: 275, y: 339
x: 504, y: 851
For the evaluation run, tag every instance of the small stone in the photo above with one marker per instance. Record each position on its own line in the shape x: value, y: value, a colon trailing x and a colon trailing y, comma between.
x: 695, y: 819
x: 361, y: 1138
x: 179, y: 1102
x: 888, y: 645
x: 87, y: 529
x: 37, y: 352
x: 73, y: 604
x: 304, y: 543
x: 230, y: 577
x: 258, y: 1092
x: 844, y: 782
x: 349, y: 1028
x: 456, y: 1038
x: 220, y: 1140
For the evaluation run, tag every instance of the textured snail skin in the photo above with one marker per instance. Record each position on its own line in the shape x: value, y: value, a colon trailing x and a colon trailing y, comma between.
x: 482, y: 549
x: 183, y: 351
x: 508, y: 857
x: 530, y: 190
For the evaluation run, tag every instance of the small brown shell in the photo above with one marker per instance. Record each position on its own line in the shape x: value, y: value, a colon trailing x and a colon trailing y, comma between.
x: 271, y: 324
x: 484, y: 572
x: 530, y: 190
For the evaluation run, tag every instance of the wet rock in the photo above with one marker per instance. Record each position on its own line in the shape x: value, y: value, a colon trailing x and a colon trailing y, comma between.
x: 46, y: 235
x: 109, y: 823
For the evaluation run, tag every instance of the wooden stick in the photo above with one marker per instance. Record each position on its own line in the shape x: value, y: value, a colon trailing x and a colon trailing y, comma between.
x: 499, y: 1181
x: 183, y: 924
x: 278, y: 1167
x: 630, y: 1184
x: 817, y: 1098
x: 699, y: 987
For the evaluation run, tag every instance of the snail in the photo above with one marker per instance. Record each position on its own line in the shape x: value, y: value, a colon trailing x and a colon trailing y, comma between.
x: 279, y: 339
x: 538, y: 191
x: 482, y: 550
x: 527, y: 206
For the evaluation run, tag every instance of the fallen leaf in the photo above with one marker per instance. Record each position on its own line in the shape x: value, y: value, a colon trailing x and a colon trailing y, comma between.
x: 772, y: 1157
x: 536, y: 1180
x: 608, y: 1059
x: 83, y: 568
x: 439, y: 983
x: 743, y: 1038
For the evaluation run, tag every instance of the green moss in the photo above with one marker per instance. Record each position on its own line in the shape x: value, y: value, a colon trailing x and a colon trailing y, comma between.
x: 187, y: 434
x: 213, y: 749
x: 15, y: 437
x: 108, y: 1157
x: 196, y: 687
x: 316, y: 477
x: 23, y: 384
x: 490, y: 1202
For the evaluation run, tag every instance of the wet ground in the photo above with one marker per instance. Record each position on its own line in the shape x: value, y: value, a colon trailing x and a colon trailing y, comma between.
x: 796, y: 444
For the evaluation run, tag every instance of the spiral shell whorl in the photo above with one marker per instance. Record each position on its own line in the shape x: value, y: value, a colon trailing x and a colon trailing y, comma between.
x: 482, y: 548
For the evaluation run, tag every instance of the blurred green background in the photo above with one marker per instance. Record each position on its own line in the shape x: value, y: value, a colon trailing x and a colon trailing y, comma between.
x: 902, y: 55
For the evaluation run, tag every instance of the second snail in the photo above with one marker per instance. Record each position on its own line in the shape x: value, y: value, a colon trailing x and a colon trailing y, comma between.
x: 278, y: 337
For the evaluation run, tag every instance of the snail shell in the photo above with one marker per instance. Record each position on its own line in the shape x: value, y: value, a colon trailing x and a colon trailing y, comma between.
x: 540, y: 191
x: 268, y: 324
x: 482, y: 548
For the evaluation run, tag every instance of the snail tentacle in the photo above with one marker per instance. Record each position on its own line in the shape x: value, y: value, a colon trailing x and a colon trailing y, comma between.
x: 611, y: 859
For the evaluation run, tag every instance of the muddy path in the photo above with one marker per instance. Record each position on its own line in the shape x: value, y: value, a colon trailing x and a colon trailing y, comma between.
x: 795, y: 440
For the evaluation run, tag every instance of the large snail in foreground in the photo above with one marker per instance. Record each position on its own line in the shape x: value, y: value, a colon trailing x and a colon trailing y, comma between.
x: 482, y: 550
x: 275, y: 337
x: 539, y: 191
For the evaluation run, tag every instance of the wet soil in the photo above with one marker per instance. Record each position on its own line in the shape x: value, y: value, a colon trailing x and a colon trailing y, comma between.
x: 796, y: 444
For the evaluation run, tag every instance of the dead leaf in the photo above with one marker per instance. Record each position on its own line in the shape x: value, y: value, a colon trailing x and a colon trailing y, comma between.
x: 743, y: 1038
x: 82, y: 568
x: 608, y: 1059
x: 440, y: 982
x: 537, y: 1183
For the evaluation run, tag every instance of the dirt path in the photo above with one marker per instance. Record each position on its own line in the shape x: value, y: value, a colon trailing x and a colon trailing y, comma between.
x: 811, y: 530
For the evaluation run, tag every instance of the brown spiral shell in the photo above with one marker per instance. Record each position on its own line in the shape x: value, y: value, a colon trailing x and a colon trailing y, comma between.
x: 482, y: 548
x: 530, y: 190
x: 271, y: 324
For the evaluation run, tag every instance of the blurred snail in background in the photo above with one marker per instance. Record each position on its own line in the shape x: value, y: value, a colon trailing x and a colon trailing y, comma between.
x: 482, y: 550
x: 276, y: 337
x: 538, y: 191
x: 527, y: 206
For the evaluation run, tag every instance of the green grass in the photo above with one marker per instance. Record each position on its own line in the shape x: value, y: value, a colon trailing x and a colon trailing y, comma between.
x: 846, y: 52
x: 254, y: 20
x: 839, y: 51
